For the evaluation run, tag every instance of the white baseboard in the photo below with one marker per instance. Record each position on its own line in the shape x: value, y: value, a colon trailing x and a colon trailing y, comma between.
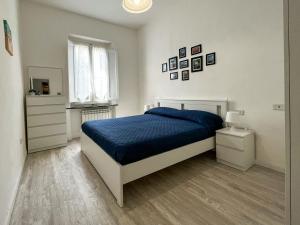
x: 272, y: 167
x: 15, y: 193
x: 76, y: 135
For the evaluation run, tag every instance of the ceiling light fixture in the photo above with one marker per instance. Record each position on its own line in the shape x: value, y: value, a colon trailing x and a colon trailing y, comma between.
x: 137, y: 6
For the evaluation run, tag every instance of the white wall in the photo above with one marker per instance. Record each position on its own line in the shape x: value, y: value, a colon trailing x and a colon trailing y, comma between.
x: 248, y: 39
x: 45, y: 38
x: 12, y: 152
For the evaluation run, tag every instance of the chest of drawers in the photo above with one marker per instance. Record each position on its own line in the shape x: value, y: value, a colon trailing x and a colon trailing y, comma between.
x: 46, y: 122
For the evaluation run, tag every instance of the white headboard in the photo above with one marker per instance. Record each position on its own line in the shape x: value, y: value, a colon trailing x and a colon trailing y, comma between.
x: 218, y: 107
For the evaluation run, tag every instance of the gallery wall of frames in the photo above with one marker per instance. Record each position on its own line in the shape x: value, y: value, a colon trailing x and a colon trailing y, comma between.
x: 193, y: 65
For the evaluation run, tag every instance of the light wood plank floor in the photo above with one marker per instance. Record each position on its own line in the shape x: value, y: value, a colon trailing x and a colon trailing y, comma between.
x: 61, y: 187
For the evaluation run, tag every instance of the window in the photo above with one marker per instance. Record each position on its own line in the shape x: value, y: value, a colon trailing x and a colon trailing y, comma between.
x: 92, y: 73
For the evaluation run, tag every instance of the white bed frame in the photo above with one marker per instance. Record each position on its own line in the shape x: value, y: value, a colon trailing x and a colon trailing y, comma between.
x: 116, y: 175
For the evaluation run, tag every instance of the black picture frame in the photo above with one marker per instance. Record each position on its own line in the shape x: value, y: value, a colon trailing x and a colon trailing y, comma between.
x: 182, y: 52
x: 197, y: 49
x: 173, y: 63
x: 164, y: 67
x: 211, y: 59
x: 185, y: 75
x: 197, y: 64
x: 184, y: 64
x: 174, y: 76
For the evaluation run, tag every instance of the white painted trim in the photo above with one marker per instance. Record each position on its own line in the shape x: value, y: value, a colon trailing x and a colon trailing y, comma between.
x: 15, y: 193
x: 272, y: 167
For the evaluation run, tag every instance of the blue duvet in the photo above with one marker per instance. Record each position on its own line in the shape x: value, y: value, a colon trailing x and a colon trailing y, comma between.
x: 134, y: 138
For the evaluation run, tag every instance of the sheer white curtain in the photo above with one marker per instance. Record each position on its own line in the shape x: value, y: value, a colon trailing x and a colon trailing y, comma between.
x: 100, y: 82
x: 93, y: 73
x: 82, y: 73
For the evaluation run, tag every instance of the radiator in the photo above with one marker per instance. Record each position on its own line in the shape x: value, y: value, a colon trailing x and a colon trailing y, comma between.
x: 99, y: 113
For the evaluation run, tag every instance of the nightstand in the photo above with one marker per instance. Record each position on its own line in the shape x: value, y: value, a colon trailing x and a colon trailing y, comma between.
x: 236, y: 148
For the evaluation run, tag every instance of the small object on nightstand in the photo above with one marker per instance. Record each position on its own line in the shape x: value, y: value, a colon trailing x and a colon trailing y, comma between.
x: 233, y: 119
x: 146, y: 108
x: 236, y: 147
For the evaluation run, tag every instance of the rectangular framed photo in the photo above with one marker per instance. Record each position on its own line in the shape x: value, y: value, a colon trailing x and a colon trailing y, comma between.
x: 196, y: 49
x: 184, y: 64
x: 182, y: 52
x: 197, y: 64
x: 185, y: 75
x: 8, y: 38
x: 211, y: 59
x: 173, y: 63
x: 174, y: 76
x: 164, y: 67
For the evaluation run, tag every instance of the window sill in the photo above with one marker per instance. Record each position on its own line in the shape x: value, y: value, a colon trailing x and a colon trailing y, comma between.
x: 90, y: 106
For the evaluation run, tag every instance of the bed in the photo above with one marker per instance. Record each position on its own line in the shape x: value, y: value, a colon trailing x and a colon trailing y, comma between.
x: 125, y: 149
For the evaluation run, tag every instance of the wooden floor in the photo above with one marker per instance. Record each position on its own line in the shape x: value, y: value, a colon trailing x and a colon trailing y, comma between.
x: 61, y: 187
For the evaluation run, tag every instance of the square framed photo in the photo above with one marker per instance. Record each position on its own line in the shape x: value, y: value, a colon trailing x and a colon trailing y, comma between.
x: 182, y: 52
x: 185, y: 75
x: 174, y: 76
x: 197, y: 64
x: 173, y: 63
x: 184, y: 64
x: 164, y: 67
x: 211, y: 59
x: 196, y: 49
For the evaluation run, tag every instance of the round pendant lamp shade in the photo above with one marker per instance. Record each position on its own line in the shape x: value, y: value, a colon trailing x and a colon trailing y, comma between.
x: 137, y: 6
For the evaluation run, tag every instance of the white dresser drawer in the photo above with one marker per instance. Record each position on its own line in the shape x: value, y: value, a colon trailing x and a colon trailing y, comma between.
x: 45, y: 100
x: 45, y: 142
x: 230, y: 155
x: 46, y: 109
x: 35, y: 132
x: 48, y: 119
x: 230, y: 141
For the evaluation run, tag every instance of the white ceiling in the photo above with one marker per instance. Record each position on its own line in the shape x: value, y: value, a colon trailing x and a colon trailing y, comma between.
x: 107, y: 10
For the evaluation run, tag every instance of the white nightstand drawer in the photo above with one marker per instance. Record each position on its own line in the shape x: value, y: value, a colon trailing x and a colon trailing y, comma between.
x: 230, y: 141
x: 230, y: 155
